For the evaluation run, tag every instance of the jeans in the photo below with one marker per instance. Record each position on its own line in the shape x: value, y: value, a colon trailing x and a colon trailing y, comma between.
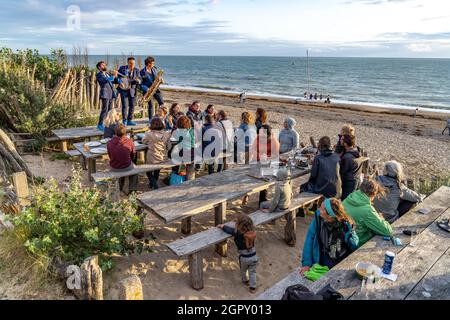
x: 151, y: 105
x: 128, y: 103
x: 153, y: 177
x: 248, y: 269
x: 106, y: 107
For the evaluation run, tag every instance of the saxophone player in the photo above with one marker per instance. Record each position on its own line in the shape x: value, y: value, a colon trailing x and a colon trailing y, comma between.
x: 128, y: 90
x: 148, y: 76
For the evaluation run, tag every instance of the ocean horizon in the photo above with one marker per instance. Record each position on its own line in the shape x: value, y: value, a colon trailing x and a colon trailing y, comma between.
x: 386, y: 82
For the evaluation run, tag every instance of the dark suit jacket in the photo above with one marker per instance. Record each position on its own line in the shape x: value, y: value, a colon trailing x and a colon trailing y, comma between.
x: 132, y: 75
x: 107, y: 90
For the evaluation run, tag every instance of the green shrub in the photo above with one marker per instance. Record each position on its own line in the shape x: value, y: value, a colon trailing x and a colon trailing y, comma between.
x: 77, y: 223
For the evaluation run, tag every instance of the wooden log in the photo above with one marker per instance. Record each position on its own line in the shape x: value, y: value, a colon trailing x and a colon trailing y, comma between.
x: 91, y: 280
x: 220, y: 213
x: 186, y: 225
x: 20, y: 183
x: 131, y: 289
x: 92, y: 91
x: 97, y: 95
x: 81, y: 89
x: 73, y: 89
x: 15, y: 166
x: 66, y: 90
x: 12, y: 149
x: 196, y: 270
x: 289, y: 231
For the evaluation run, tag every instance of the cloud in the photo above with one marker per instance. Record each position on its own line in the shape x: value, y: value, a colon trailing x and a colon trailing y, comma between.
x: 419, y: 47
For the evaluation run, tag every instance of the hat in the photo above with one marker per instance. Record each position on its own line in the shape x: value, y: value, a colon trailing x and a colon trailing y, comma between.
x: 290, y: 122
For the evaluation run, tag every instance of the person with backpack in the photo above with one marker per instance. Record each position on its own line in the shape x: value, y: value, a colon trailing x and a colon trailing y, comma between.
x: 447, y: 127
x: 330, y: 237
x: 244, y: 236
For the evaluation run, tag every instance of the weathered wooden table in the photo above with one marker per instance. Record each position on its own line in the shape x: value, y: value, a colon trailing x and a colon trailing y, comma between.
x: 423, y: 268
x: 91, y: 158
x: 183, y: 201
x: 65, y: 135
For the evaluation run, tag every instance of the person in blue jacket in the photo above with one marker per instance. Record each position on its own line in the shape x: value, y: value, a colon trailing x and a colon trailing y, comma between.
x: 128, y: 96
x: 148, y: 76
x: 107, y: 91
x: 330, y: 237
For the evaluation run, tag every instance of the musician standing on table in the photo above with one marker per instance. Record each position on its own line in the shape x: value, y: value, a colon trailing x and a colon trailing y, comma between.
x: 128, y: 95
x: 148, y: 76
x: 107, y: 91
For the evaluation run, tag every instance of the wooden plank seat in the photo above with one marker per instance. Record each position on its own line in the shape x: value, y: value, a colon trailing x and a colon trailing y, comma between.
x: 76, y: 153
x: 192, y: 245
x: 141, y: 169
x: 342, y: 277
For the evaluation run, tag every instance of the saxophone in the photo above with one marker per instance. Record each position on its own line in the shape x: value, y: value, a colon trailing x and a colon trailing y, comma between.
x: 155, y: 85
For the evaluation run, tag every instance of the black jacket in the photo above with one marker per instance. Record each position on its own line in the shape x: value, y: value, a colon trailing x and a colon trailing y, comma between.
x: 350, y: 166
x: 325, y: 178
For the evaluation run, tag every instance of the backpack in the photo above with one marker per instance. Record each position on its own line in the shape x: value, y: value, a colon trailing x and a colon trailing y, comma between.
x: 300, y: 292
x: 337, y: 240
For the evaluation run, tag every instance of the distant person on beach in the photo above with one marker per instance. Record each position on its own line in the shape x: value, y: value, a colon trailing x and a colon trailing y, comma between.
x: 328, y: 99
x: 226, y: 126
x: 305, y: 95
x: 325, y: 178
x: 107, y: 91
x: 368, y: 221
x: 148, y: 75
x: 447, y: 127
x: 311, y: 96
x: 122, y: 155
x: 289, y: 137
x: 350, y: 168
x: 210, y: 133
x: 173, y: 116
x: 128, y: 93
x: 194, y: 113
x: 315, y: 96
x: 261, y: 118
x: 158, y: 141
x: 330, y: 238
x: 244, y: 236
x: 111, y: 122
x: 242, y: 98
x: 398, y: 198
x: 210, y: 110
x: 320, y: 97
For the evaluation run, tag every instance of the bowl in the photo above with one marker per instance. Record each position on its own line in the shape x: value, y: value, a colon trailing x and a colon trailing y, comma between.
x: 364, y: 269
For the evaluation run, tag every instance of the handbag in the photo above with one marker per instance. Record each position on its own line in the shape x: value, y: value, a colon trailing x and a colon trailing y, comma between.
x: 176, y: 179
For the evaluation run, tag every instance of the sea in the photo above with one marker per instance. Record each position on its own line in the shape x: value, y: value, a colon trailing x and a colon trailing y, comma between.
x: 384, y: 82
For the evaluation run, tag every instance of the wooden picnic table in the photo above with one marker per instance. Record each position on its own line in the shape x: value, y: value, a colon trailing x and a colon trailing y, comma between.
x: 422, y: 269
x: 183, y: 201
x: 65, y: 135
x: 91, y: 158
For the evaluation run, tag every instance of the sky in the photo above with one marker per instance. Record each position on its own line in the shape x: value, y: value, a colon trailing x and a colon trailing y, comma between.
x: 336, y: 28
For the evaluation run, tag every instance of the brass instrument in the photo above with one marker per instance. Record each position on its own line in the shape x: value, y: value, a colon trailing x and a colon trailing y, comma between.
x: 155, y: 85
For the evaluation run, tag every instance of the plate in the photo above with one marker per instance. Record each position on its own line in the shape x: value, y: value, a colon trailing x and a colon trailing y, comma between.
x: 100, y: 150
x: 104, y: 141
x: 93, y: 144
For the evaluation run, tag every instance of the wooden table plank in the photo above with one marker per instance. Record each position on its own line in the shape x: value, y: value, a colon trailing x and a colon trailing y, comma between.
x: 412, y: 264
x: 436, y: 284
x: 88, y: 155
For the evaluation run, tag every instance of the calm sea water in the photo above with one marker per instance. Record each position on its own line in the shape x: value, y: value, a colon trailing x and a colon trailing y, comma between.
x: 383, y: 81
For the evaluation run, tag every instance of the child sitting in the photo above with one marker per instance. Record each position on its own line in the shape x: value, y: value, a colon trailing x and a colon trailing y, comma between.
x: 244, y: 237
x: 283, y: 193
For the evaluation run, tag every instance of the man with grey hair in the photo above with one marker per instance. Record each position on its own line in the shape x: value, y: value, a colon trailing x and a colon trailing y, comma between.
x: 398, y: 199
x: 289, y: 138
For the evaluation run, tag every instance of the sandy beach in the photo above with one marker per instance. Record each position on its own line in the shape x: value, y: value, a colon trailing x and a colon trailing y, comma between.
x: 416, y: 142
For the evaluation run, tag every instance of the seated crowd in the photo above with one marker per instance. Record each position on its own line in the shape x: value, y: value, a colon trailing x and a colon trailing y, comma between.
x: 353, y: 209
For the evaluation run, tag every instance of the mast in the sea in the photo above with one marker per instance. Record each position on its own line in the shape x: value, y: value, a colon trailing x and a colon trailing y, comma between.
x: 307, y: 70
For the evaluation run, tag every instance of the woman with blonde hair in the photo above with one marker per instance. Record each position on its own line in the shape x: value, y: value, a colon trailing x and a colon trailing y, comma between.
x: 398, y: 198
x: 110, y: 123
x: 347, y: 129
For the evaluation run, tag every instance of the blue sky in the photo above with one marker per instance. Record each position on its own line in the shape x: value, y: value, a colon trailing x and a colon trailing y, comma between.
x: 370, y: 28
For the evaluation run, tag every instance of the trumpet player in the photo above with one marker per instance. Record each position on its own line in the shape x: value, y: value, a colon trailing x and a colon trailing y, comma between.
x: 107, y: 90
x: 148, y: 76
x: 127, y: 90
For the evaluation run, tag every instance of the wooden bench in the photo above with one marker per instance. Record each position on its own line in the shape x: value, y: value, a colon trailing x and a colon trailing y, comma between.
x: 411, y: 264
x: 192, y: 245
x: 76, y: 153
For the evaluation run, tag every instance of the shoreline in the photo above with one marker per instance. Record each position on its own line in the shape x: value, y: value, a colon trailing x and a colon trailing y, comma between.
x: 427, y: 113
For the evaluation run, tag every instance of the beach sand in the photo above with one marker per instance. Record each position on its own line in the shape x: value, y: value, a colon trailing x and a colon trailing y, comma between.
x: 416, y: 142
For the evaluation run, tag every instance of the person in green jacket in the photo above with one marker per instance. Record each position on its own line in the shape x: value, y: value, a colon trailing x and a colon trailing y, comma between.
x: 359, y: 206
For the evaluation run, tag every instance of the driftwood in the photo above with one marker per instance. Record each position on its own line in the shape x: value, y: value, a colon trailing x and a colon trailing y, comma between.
x: 12, y: 155
x: 91, y: 280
